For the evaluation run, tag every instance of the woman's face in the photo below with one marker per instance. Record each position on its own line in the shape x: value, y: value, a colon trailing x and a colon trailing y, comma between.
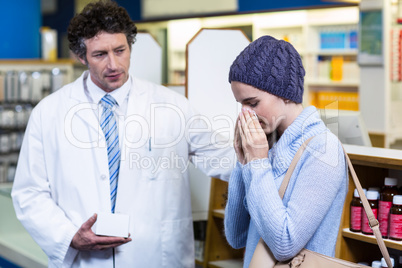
x: 269, y: 108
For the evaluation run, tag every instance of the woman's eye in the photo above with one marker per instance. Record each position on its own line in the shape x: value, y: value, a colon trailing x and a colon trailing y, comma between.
x: 253, y: 104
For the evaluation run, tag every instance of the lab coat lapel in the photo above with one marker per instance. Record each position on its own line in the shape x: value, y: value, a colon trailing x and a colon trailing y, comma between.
x: 137, y: 118
x: 82, y: 108
x: 137, y: 121
x: 137, y: 102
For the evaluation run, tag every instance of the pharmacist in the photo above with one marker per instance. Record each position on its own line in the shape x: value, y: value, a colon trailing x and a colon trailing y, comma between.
x: 123, y: 200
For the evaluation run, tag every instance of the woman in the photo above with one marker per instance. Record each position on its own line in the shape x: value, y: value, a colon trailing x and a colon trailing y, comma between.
x: 267, y: 79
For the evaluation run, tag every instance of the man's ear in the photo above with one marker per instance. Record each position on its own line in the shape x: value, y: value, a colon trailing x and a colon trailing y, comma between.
x: 82, y: 60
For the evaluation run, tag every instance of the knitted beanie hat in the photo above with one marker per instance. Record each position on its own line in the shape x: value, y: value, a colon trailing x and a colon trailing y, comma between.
x: 271, y: 65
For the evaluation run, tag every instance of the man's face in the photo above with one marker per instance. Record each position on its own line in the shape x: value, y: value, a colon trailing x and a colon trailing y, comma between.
x: 108, y: 60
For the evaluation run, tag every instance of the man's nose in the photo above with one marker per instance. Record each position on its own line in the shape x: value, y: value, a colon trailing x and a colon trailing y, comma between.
x: 112, y: 64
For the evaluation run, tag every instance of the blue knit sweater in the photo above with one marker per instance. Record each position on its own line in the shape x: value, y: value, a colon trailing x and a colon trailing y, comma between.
x: 310, y: 212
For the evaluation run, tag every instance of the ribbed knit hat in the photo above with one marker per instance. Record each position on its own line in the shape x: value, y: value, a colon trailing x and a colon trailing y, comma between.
x: 271, y: 65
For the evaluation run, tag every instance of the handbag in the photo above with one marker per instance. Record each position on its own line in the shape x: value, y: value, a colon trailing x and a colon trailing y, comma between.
x: 263, y: 256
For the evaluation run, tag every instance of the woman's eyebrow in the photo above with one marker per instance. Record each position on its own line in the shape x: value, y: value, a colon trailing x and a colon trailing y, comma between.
x: 248, y: 99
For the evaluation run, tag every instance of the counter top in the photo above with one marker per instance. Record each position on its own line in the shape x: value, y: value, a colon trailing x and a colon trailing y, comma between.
x: 16, y: 245
x: 375, y: 157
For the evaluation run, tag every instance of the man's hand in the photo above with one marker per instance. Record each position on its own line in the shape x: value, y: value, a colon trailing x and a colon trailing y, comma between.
x: 86, y: 239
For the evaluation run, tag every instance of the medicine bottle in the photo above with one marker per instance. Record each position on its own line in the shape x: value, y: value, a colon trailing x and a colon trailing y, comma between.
x: 377, y: 189
x: 384, y: 205
x: 372, y: 197
x: 356, y: 208
x: 384, y: 263
x: 395, y: 219
x: 376, y: 264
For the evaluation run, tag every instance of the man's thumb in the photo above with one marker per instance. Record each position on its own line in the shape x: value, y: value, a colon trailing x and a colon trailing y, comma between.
x: 90, y: 222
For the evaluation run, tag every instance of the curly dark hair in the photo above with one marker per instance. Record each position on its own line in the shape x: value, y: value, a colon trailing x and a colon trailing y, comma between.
x: 101, y: 16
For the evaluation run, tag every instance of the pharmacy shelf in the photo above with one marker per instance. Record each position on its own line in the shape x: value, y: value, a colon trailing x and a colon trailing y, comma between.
x: 332, y: 52
x: 226, y: 264
x: 331, y: 83
x: 371, y: 165
x: 66, y: 65
x: 374, y: 157
x: 219, y: 213
x: 371, y: 239
x: 218, y: 253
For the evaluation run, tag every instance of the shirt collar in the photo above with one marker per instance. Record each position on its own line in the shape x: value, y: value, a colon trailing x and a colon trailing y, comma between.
x: 118, y: 94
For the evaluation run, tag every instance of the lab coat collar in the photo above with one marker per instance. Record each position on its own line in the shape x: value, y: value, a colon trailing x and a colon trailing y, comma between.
x: 136, y: 104
x: 82, y: 107
x: 77, y: 88
x: 78, y: 93
x: 96, y: 93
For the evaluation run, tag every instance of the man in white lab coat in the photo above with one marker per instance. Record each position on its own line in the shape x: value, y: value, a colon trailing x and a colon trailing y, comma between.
x: 63, y: 183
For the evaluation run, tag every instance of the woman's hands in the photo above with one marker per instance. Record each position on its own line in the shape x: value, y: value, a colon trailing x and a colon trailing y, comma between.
x: 250, y: 141
x: 238, y: 144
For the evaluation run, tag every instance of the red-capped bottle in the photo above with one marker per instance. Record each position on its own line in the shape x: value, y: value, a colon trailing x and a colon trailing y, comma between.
x: 372, y: 197
x: 387, y: 194
x: 356, y: 208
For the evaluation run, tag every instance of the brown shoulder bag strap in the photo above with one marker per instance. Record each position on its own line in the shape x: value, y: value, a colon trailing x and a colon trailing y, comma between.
x: 373, y: 222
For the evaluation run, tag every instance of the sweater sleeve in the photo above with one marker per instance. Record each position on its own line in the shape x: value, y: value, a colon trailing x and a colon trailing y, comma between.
x: 287, y: 227
x: 237, y: 218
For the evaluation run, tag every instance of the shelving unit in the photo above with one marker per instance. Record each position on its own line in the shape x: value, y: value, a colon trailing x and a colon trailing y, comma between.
x: 23, y: 84
x: 370, y: 239
x: 372, y: 165
x: 301, y: 28
x: 218, y: 253
x: 331, y: 68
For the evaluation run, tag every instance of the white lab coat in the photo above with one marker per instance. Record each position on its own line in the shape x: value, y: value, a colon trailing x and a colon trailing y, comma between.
x: 62, y: 176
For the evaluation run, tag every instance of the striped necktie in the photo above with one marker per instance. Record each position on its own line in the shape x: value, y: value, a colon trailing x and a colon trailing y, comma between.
x: 109, y: 127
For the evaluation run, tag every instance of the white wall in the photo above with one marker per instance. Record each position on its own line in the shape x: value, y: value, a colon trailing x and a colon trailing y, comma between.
x: 209, y: 57
x: 146, y: 58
